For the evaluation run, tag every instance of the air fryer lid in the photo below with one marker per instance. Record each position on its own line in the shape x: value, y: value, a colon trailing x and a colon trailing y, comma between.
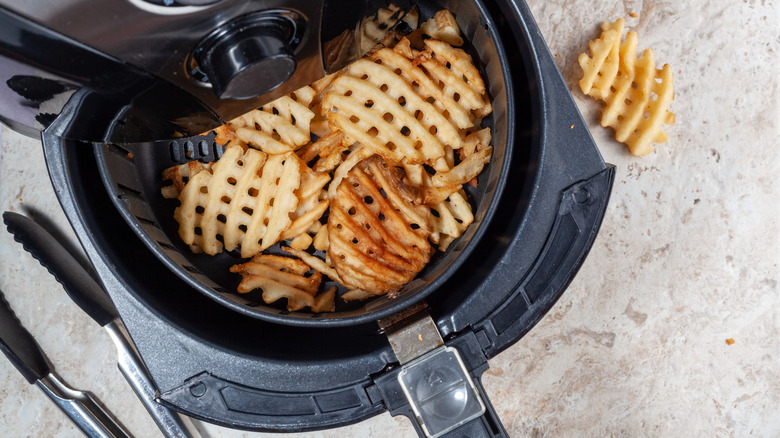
x: 242, y: 372
x: 132, y: 173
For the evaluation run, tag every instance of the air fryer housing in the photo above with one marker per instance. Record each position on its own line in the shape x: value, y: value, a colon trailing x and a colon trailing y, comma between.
x: 162, y: 69
x: 227, y: 368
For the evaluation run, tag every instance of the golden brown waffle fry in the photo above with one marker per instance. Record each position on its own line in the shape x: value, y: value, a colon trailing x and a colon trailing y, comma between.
x: 474, y: 141
x: 278, y: 127
x: 381, y: 111
x: 247, y: 209
x: 465, y: 170
x: 301, y: 242
x: 374, y: 245
x: 205, y: 199
x: 452, y: 217
x: 179, y: 176
x: 282, y: 277
x: 320, y: 241
x: 443, y: 27
x: 636, y: 94
x: 325, y: 302
x: 323, y: 267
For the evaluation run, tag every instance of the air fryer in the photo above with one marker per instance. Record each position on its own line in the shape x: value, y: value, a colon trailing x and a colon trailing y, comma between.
x: 215, y: 362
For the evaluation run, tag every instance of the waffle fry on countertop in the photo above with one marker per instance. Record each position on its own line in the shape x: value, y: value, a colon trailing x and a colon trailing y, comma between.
x: 636, y: 94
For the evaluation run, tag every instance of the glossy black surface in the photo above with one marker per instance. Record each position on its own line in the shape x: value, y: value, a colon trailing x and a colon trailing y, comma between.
x: 250, y: 56
x: 138, y: 59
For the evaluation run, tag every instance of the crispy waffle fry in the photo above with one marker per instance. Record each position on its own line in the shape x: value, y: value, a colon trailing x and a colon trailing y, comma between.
x: 443, y: 27
x: 450, y: 93
x: 281, y: 277
x: 323, y: 267
x: 465, y: 171
x: 247, y: 209
x: 452, y: 217
x: 301, y: 242
x: 320, y: 241
x: 201, y: 215
x: 381, y: 111
x: 325, y: 302
x: 636, y: 94
x: 278, y: 127
x: 374, y: 245
x: 179, y: 176
x: 270, y: 215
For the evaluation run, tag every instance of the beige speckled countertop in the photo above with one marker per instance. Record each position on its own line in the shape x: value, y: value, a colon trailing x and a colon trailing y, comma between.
x: 687, y: 257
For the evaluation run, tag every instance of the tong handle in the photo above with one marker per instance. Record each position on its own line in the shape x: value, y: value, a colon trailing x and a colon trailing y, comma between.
x: 81, y: 408
x: 171, y: 424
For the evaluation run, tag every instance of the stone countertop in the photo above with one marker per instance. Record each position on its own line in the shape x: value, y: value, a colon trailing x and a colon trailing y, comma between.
x: 687, y: 258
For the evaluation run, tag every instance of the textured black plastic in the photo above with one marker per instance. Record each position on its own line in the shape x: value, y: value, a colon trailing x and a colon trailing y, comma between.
x: 77, y: 282
x: 539, y: 221
x: 19, y: 346
x: 131, y: 172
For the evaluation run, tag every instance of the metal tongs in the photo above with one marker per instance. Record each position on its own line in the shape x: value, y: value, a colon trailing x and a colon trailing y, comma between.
x: 87, y: 293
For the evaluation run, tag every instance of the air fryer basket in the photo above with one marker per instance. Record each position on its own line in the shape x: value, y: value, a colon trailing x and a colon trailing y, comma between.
x: 132, y: 174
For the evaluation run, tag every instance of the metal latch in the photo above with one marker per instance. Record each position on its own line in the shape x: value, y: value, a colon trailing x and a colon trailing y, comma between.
x: 433, y: 376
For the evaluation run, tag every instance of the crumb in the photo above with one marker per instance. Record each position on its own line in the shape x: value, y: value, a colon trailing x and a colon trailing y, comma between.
x: 633, y: 14
x: 730, y: 341
x: 571, y: 127
x: 130, y: 155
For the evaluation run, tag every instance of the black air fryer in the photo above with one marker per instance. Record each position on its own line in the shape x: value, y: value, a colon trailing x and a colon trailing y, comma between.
x: 120, y: 90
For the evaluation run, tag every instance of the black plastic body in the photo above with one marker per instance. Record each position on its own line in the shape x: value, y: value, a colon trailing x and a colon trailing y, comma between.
x: 219, y: 365
x: 77, y: 282
x: 131, y: 173
x: 19, y: 346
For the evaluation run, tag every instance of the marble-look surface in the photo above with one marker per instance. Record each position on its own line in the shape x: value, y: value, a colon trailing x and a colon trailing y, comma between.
x: 687, y: 257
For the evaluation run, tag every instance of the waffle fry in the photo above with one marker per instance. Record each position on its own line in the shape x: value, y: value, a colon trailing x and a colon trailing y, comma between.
x: 403, y: 112
x: 374, y: 245
x: 278, y: 127
x: 235, y: 206
x: 318, y: 265
x: 312, y: 202
x: 443, y: 27
x: 452, y: 217
x: 320, y: 240
x: 465, y: 171
x: 636, y: 94
x: 282, y: 277
x: 179, y: 176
